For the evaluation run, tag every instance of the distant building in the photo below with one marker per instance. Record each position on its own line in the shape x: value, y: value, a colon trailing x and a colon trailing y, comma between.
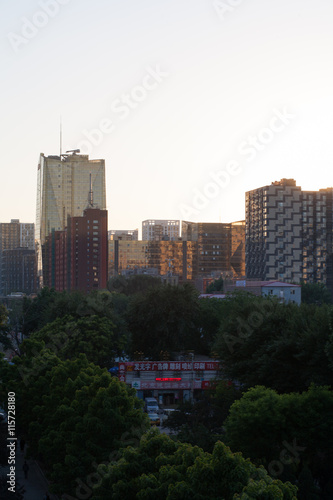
x: 126, y: 234
x: 285, y: 292
x: 158, y: 229
x: 77, y: 257
x: 17, y: 251
x: 88, y: 266
x: 205, y: 251
x: 19, y: 271
x: 220, y: 248
x: 127, y: 255
x: 176, y: 259
x: 289, y: 234
x: 63, y: 186
x: 274, y: 232
x: 170, y: 382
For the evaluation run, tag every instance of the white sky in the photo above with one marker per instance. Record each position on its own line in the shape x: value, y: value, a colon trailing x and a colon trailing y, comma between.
x: 231, y: 67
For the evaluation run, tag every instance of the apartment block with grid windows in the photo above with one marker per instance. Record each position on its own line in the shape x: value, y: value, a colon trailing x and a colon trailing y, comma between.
x: 289, y: 234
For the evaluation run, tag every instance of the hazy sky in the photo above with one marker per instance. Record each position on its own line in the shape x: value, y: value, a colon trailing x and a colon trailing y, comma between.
x: 190, y: 102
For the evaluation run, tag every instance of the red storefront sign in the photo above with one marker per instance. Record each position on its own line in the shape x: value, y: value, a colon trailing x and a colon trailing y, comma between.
x: 170, y: 385
x: 149, y: 366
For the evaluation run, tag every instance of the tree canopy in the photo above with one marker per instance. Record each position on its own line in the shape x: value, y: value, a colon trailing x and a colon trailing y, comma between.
x: 282, y: 346
x: 215, y: 286
x: 287, y: 433
x: 165, y: 319
x: 69, y: 337
x: 75, y: 414
x: 316, y: 293
x: 4, y: 340
x: 166, y: 469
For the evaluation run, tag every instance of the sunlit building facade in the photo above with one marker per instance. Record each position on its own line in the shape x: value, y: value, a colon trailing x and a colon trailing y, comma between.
x: 166, y: 258
x: 220, y: 247
x: 289, y: 234
x: 127, y: 255
x: 63, y: 186
x: 123, y: 234
x: 159, y: 229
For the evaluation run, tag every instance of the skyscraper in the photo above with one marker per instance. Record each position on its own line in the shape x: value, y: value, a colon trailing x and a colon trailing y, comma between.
x: 63, y: 186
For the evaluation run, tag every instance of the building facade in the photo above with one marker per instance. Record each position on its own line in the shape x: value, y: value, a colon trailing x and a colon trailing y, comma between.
x: 77, y: 257
x: 17, y: 257
x: 88, y: 250
x: 166, y: 258
x: 63, y: 186
x: 123, y: 234
x: 127, y: 255
x: 289, y: 234
x: 317, y: 228
x: 273, y: 245
x: 19, y: 271
x: 170, y: 382
x: 284, y: 292
x: 158, y: 229
x: 220, y: 247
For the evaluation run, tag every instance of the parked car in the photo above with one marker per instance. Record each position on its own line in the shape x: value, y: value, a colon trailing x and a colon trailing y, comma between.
x: 154, y: 419
x: 151, y: 405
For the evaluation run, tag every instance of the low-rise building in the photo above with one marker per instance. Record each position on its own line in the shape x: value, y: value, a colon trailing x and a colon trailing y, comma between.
x: 285, y: 292
x: 170, y: 382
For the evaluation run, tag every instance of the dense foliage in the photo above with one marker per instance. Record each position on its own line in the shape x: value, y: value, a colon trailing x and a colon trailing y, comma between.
x: 165, y: 319
x: 287, y: 433
x: 74, y: 414
x: 68, y: 337
x: 165, y: 469
x: 282, y: 346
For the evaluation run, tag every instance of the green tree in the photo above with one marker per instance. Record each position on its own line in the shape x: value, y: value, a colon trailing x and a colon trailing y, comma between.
x: 139, y: 283
x: 5, y: 342
x: 162, y: 468
x: 316, y: 293
x: 215, y: 286
x: 68, y: 337
x: 165, y: 319
x: 50, y: 305
x: 283, y: 346
x: 76, y: 415
x: 211, y: 313
x: 285, y: 432
x: 201, y: 423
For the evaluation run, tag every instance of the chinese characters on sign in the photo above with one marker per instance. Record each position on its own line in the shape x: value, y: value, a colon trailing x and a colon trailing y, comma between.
x: 168, y: 366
